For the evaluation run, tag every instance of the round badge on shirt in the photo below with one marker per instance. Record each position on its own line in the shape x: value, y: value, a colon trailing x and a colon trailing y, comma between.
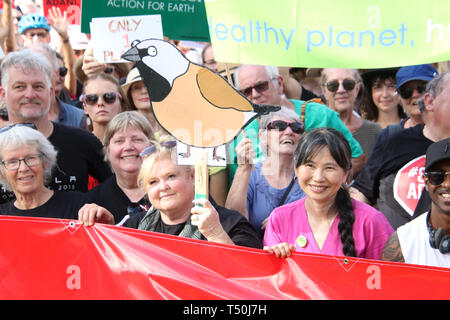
x: 302, y: 241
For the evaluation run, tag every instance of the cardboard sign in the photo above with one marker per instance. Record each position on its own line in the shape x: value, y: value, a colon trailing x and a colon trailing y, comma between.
x: 113, y: 36
x: 409, y: 184
x: 329, y: 33
x: 72, y: 7
x: 181, y: 19
x: 191, y: 102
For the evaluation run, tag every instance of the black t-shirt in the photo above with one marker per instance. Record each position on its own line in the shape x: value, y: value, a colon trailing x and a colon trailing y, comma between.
x: 235, y: 225
x: 80, y: 154
x: 109, y: 195
x: 376, y: 180
x: 64, y: 205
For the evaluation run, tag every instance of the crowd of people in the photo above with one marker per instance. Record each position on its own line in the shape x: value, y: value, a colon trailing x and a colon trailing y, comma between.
x: 79, y: 140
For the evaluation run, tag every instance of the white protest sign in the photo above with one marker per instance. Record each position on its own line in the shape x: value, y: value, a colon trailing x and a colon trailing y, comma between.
x: 112, y: 36
x: 187, y: 155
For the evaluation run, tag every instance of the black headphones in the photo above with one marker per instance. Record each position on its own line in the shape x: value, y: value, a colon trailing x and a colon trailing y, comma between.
x: 438, y: 238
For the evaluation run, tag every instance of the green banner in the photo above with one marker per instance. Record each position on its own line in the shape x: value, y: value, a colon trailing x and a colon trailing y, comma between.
x: 181, y: 19
x: 330, y: 33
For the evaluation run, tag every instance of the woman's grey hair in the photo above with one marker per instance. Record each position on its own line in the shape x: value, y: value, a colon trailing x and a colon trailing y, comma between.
x: 272, y: 73
x: 19, y: 136
x: 324, y: 78
x: 26, y: 59
x: 284, y: 113
x: 434, y: 88
x: 123, y: 121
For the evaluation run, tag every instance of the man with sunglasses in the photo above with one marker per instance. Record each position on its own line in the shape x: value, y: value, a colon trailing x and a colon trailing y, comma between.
x: 263, y: 84
x: 340, y: 88
x: 382, y: 180
x: 426, y: 239
x: 411, y: 82
x: 27, y: 91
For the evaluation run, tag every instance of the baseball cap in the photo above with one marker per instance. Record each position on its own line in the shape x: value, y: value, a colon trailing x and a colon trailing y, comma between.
x: 436, y: 152
x: 424, y: 72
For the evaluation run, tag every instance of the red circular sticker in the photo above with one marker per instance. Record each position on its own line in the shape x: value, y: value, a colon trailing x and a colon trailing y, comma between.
x: 409, y: 184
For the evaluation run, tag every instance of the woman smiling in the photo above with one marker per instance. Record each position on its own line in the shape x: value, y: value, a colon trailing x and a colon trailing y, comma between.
x: 327, y: 220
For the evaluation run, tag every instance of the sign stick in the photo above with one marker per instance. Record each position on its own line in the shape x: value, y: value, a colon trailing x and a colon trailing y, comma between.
x: 201, y: 176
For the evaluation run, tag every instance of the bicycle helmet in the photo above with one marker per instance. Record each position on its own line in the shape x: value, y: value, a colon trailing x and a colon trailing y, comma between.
x: 32, y: 21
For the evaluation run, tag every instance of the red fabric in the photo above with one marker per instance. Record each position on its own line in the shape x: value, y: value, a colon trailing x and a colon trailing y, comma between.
x: 59, y: 259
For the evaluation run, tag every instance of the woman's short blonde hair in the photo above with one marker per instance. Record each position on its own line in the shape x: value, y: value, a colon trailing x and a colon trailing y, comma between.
x: 161, y: 152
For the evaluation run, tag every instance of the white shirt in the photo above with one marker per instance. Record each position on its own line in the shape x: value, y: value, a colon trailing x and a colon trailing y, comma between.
x: 414, y: 242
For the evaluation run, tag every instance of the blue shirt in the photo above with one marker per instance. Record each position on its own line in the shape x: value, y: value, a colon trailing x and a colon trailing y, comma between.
x: 262, y: 198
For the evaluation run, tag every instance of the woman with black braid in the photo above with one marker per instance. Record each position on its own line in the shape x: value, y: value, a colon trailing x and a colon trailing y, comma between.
x: 327, y: 220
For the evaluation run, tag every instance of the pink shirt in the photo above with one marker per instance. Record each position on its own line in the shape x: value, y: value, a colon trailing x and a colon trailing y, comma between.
x: 370, y: 230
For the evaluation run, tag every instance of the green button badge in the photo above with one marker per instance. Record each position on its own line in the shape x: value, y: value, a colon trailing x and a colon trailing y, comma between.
x: 302, y: 241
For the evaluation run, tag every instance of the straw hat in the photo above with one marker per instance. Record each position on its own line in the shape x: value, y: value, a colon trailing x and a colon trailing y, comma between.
x: 132, y: 77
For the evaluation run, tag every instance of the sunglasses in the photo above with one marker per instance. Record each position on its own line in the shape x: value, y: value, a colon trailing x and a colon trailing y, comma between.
x: 259, y: 87
x: 40, y: 35
x: 407, y: 91
x: 108, y: 98
x: 62, y: 71
x: 29, y: 125
x: 348, y: 85
x: 436, y: 177
x: 280, y: 125
x: 151, y: 149
x: 4, y: 114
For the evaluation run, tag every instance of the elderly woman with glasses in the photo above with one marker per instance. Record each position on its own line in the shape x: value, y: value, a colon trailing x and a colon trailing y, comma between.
x: 170, y: 189
x: 126, y: 135
x: 257, y: 190
x: 27, y: 160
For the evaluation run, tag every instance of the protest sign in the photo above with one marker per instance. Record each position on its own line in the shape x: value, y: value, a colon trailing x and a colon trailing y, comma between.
x: 409, y: 184
x: 72, y: 7
x: 181, y: 19
x: 345, y: 34
x: 111, y: 37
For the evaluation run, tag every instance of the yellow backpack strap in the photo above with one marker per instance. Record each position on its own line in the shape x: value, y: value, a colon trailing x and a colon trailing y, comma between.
x: 303, y: 108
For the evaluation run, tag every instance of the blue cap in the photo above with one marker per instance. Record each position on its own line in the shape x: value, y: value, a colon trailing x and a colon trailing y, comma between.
x: 424, y: 72
x: 32, y: 21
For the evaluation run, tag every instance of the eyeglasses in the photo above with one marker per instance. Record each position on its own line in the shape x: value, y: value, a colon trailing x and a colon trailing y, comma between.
x: 151, y: 149
x: 259, y: 87
x: 108, y: 98
x: 29, y: 125
x: 62, y: 71
x: 40, y: 35
x: 406, y: 91
x: 436, y: 177
x: 348, y: 85
x: 31, y: 161
x: 280, y: 125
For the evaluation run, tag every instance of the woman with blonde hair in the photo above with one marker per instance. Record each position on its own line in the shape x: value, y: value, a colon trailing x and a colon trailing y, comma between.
x: 170, y: 189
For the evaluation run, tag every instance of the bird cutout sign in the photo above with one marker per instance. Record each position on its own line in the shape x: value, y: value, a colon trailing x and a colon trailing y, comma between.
x: 194, y: 104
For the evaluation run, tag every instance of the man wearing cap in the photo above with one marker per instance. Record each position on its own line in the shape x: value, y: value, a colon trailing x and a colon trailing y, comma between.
x: 411, y: 83
x: 398, y: 162
x: 426, y: 239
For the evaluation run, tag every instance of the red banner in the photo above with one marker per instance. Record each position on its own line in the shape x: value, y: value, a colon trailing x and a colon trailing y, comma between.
x: 72, y: 7
x: 60, y: 259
